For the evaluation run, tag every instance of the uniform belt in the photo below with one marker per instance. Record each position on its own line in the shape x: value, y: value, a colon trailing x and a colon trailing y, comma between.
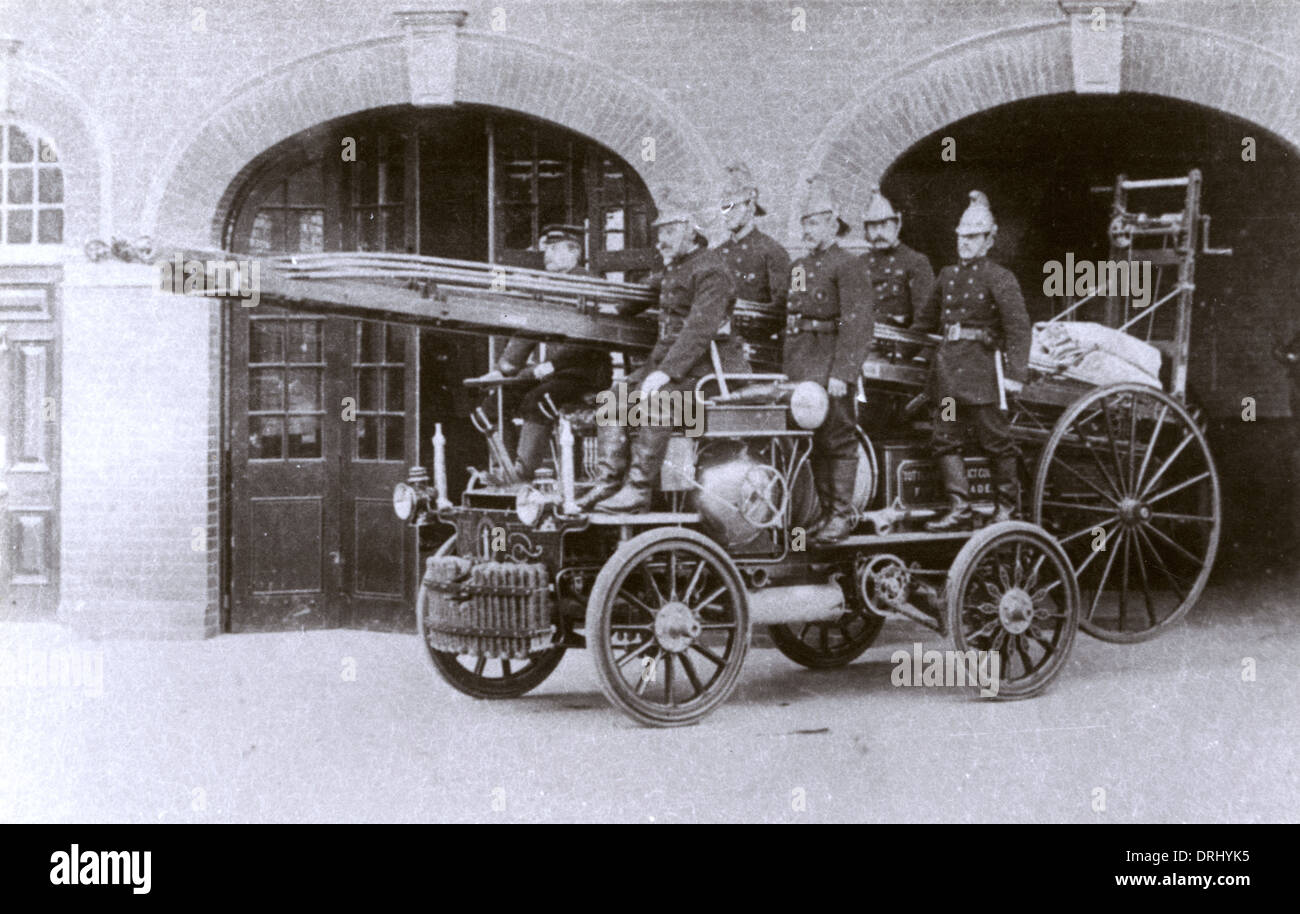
x: 797, y: 323
x: 954, y: 332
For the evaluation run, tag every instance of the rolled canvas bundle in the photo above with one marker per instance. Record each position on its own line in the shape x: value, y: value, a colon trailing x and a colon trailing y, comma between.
x: 1093, y: 353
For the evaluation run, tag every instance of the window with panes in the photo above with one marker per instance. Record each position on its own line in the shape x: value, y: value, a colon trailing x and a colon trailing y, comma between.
x: 539, y: 182
x: 31, y: 189
x: 286, y: 370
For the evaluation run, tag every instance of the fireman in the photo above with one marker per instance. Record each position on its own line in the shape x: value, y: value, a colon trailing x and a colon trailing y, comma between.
x: 569, y: 371
x: 901, y: 280
x: 901, y: 277
x: 977, y: 307
x: 759, y: 265
x: 696, y: 297
x: 828, y: 334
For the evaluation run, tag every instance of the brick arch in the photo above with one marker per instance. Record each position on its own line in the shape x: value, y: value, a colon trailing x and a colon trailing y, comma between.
x: 187, y: 201
x: 1204, y: 66
x: 615, y: 110
x: 47, y: 107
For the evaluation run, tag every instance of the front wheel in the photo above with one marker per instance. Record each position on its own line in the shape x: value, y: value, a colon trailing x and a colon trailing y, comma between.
x: 668, y: 627
x: 483, y: 677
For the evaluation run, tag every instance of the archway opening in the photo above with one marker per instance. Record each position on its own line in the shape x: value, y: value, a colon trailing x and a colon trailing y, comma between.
x: 464, y: 182
x: 324, y: 413
x: 1038, y: 161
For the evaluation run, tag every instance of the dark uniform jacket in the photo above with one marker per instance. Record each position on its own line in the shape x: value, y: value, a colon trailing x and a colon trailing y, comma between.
x: 760, y: 268
x: 578, y: 363
x: 979, y: 294
x: 696, y: 298
x: 901, y: 280
x: 836, y: 288
x: 585, y: 364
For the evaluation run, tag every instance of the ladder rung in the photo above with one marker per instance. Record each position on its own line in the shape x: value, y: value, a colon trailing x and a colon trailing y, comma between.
x: 1159, y: 257
x: 1155, y: 182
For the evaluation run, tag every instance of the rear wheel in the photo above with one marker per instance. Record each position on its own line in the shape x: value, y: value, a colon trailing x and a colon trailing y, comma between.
x: 1127, y: 485
x: 484, y: 677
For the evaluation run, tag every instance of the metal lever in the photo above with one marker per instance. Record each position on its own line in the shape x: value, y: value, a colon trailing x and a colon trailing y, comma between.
x: 1205, y: 239
x: 496, y: 444
x: 716, y: 359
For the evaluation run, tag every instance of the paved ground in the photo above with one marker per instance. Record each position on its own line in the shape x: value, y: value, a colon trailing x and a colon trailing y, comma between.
x: 267, y: 728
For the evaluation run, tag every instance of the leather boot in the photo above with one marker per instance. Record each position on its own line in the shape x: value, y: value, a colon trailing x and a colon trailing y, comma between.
x: 647, y: 456
x: 611, y: 463
x: 954, y: 482
x: 840, y: 522
x: 533, y: 440
x: 821, y: 471
x: 1006, y: 483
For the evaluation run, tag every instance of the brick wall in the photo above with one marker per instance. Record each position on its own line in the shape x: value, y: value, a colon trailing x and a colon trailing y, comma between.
x: 139, y: 468
x: 708, y: 80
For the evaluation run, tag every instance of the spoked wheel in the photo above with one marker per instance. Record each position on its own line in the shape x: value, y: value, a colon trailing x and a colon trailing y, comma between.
x: 668, y: 626
x: 1011, y: 592
x: 828, y: 645
x: 1127, y: 485
x: 484, y: 677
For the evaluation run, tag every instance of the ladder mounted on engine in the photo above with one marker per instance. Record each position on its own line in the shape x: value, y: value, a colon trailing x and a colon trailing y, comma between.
x: 1169, y: 242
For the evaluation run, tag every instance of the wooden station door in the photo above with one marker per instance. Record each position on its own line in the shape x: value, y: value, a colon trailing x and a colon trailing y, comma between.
x: 29, y: 442
x: 319, y: 435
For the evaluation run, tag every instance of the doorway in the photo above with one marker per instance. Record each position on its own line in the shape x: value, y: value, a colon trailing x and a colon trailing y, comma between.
x: 313, y: 539
x: 319, y: 436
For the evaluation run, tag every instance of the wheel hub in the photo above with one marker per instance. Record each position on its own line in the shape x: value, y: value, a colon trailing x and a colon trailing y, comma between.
x: 1016, y: 610
x: 1134, y: 512
x: 676, y: 627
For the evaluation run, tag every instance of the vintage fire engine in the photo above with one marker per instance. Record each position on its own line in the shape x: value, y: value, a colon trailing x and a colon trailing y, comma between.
x: 1123, y: 497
